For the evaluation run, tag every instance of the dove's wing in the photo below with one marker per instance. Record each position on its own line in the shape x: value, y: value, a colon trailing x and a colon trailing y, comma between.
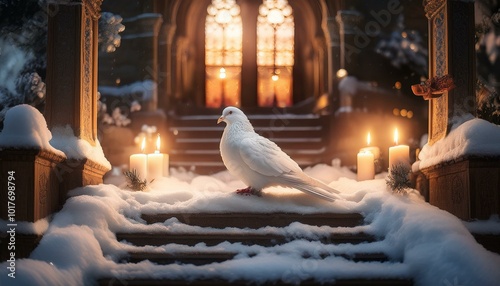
x: 265, y: 157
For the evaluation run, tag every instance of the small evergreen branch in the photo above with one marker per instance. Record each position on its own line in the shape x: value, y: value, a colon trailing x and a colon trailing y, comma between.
x: 134, y: 180
x: 399, y: 178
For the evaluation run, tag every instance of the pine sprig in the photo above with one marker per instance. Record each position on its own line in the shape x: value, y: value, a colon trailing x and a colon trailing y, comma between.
x: 398, y: 179
x: 134, y: 180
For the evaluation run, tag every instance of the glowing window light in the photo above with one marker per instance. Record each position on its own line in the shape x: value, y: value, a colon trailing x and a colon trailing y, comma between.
x: 275, y: 53
x: 223, y: 53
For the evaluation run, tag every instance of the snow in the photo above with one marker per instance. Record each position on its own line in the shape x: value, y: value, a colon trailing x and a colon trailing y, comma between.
x: 80, y: 245
x: 75, y: 148
x: 474, y: 137
x: 25, y: 127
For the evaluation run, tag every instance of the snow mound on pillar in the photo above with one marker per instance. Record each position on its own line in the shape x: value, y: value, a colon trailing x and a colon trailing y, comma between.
x: 26, y: 128
x: 75, y: 148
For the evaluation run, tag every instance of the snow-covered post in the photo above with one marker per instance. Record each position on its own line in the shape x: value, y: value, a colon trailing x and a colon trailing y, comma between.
x: 466, y: 184
x: 72, y: 84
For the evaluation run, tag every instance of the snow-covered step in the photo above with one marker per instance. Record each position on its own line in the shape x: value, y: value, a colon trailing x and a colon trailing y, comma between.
x: 258, y: 220
x: 245, y: 238
x: 202, y: 258
x: 227, y: 273
x: 339, y: 282
x: 165, y: 258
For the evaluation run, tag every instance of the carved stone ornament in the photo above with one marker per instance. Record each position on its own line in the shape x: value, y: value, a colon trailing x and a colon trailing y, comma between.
x: 431, y: 7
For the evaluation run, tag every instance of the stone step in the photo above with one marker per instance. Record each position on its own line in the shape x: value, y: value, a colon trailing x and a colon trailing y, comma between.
x: 248, y: 238
x: 285, y: 144
x: 203, y: 258
x: 274, y: 120
x: 195, y: 258
x: 258, y: 220
x: 194, y: 140
x: 339, y: 282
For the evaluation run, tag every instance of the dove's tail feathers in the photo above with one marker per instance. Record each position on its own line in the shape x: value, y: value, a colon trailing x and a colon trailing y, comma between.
x: 316, y: 191
x: 307, y: 184
x: 322, y: 185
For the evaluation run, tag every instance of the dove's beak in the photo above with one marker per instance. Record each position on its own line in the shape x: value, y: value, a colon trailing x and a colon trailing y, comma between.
x: 222, y: 118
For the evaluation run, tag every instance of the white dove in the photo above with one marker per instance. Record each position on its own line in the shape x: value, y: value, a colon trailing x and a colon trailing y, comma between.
x: 259, y: 162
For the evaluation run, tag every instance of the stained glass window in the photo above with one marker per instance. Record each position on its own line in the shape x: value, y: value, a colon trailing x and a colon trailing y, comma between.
x: 275, y: 53
x: 223, y: 53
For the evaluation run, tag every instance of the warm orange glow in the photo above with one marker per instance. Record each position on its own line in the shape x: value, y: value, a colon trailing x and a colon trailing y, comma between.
x: 143, y: 144
x: 368, y: 139
x: 158, y: 143
x: 396, y: 136
x: 275, y: 77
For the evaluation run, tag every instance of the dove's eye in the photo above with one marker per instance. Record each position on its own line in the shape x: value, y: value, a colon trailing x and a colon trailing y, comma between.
x: 230, y: 112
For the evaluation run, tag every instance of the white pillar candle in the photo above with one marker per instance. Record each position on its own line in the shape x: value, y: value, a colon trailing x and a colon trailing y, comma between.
x: 366, y: 166
x: 155, y: 166
x: 399, y: 154
x: 372, y: 149
x: 155, y: 162
x: 139, y: 162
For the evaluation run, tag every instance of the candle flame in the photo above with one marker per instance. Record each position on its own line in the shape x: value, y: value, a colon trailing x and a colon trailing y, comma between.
x: 396, y: 136
x: 143, y: 144
x: 368, y: 139
x: 158, y: 144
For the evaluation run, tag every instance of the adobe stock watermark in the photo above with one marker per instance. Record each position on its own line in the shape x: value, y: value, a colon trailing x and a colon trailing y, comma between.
x: 372, y: 29
x: 11, y: 223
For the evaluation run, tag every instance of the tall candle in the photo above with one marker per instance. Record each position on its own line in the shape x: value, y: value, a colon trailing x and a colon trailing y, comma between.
x: 399, y: 154
x: 155, y: 162
x: 366, y: 166
x: 139, y: 162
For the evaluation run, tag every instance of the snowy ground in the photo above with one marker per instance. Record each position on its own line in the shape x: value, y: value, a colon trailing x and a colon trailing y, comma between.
x: 79, y: 243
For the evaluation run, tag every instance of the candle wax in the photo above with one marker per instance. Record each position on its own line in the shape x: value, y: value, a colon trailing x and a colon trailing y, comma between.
x: 372, y: 149
x: 366, y: 166
x: 139, y: 162
x: 155, y: 166
x: 399, y: 154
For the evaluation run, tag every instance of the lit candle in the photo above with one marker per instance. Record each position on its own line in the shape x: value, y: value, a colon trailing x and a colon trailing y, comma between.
x: 366, y: 166
x: 399, y: 154
x: 155, y: 162
x: 139, y: 162
x: 373, y: 149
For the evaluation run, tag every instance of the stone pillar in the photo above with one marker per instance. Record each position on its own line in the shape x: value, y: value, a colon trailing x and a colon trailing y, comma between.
x: 72, y: 67
x: 468, y: 187
x: 451, y: 42
x: 249, y: 75
x: 72, y: 82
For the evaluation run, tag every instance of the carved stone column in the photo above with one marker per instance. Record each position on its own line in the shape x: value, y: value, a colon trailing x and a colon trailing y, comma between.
x: 468, y: 187
x: 72, y: 81
x: 451, y: 42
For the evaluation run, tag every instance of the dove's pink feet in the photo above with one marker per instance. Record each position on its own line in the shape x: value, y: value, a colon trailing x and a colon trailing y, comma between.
x: 248, y: 192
